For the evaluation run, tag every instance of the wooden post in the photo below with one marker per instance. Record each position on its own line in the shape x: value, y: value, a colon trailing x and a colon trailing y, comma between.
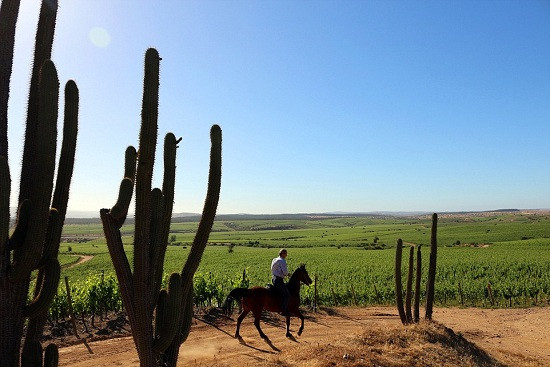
x: 353, y: 294
x: 70, y: 302
x: 333, y: 297
x: 461, y: 294
x: 243, y: 280
x: 491, y: 294
x: 376, y: 294
x: 315, y: 295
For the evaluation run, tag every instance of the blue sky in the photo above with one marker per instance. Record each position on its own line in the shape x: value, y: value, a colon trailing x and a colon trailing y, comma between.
x: 324, y: 105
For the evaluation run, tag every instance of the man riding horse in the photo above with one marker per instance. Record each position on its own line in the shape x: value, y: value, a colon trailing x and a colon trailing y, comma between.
x: 287, y: 300
x: 280, y: 271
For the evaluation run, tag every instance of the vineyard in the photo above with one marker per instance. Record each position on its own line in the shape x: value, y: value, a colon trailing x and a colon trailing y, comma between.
x: 501, y: 261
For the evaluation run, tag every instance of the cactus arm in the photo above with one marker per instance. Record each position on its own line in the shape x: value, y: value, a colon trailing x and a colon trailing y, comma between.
x: 51, y: 356
x: 160, y: 313
x: 119, y: 211
x: 68, y: 149
x: 430, y: 288
x: 52, y: 272
x: 210, y: 206
x: 168, y: 183
x: 50, y: 250
x: 408, y: 292
x: 42, y: 52
x: 118, y: 256
x: 187, y: 316
x: 28, y: 255
x: 20, y: 231
x: 398, y: 283
x: 170, y: 321
x: 5, y: 184
x: 130, y: 157
x: 417, y: 284
x: 9, y: 11
x: 51, y: 245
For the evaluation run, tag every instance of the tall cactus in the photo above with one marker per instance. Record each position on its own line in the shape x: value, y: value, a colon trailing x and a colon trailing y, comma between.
x: 34, y: 243
x: 430, y: 286
x: 160, y: 319
x: 417, y: 282
x: 408, y: 293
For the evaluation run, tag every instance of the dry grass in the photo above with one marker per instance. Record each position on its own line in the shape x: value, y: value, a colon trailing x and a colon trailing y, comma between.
x: 424, y: 344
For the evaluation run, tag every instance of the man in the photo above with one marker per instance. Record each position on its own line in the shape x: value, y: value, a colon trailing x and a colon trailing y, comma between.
x: 280, y: 271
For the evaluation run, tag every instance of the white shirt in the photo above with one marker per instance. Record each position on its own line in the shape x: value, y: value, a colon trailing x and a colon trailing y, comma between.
x: 278, y: 267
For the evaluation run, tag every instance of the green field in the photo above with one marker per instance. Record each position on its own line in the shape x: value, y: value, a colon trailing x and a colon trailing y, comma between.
x: 510, y: 251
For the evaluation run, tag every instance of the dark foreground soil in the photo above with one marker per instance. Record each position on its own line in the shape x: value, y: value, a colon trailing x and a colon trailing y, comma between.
x: 371, y: 336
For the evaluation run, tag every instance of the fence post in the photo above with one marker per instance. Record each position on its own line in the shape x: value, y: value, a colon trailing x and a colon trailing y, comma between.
x: 70, y: 302
x: 353, y: 294
x: 491, y: 294
x: 315, y: 295
x: 244, y: 279
x: 461, y: 294
x: 333, y: 297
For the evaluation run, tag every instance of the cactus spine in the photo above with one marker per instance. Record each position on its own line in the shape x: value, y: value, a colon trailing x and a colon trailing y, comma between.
x: 160, y: 319
x: 34, y: 243
x: 430, y: 286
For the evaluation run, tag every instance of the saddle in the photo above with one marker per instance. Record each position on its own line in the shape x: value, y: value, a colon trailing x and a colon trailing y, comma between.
x: 272, y: 289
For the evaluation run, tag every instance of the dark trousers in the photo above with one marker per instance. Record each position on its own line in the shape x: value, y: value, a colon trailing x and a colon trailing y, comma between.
x: 283, y: 291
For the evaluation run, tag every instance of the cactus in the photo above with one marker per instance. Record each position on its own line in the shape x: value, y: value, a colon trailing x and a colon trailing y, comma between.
x: 408, y: 292
x: 160, y: 319
x: 417, y: 284
x: 430, y: 286
x: 398, y: 283
x: 408, y: 317
x: 34, y: 243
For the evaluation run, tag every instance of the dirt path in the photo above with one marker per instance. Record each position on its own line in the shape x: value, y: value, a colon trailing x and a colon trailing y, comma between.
x: 518, y: 337
x: 81, y: 260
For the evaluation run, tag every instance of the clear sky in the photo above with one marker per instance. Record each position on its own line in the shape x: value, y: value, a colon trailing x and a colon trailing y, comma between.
x: 324, y: 105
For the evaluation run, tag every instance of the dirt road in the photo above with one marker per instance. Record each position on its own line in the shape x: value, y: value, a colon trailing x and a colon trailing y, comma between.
x: 518, y: 337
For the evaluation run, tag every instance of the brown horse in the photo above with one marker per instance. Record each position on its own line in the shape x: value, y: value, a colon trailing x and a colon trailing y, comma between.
x: 257, y: 299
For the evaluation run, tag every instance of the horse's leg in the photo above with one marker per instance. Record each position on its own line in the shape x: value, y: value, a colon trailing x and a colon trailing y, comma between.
x: 302, y: 325
x: 288, y: 334
x: 257, y: 317
x: 239, y: 320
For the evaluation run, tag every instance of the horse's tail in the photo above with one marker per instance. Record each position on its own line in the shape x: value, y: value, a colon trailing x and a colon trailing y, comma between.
x: 235, y: 295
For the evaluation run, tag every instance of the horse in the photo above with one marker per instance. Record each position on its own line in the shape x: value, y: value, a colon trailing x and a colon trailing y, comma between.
x: 257, y: 299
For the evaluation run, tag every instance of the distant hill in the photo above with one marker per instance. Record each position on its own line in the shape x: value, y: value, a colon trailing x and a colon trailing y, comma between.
x: 85, y: 217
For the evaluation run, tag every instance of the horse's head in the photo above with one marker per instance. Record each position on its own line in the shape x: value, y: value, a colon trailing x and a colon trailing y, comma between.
x: 304, y: 276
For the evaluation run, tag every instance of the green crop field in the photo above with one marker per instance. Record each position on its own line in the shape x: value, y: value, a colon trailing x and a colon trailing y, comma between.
x: 352, y: 258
